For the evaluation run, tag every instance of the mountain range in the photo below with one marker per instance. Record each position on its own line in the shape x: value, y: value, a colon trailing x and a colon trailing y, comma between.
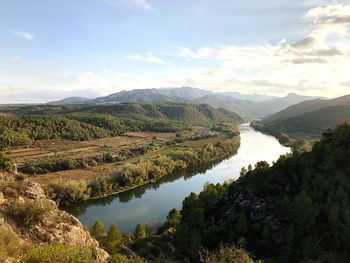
x: 248, y: 106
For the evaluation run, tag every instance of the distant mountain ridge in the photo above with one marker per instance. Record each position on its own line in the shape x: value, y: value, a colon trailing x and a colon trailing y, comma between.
x: 69, y: 100
x: 249, y: 106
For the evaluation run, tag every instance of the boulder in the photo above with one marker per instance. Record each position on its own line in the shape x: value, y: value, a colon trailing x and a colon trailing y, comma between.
x: 34, y: 191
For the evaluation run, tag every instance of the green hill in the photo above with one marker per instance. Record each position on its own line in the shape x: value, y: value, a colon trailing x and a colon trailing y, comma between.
x: 310, y: 124
x: 307, y: 119
x: 24, y: 125
x: 298, y: 210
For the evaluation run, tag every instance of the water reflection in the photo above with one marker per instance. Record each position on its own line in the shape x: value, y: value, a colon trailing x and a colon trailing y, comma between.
x: 137, y: 193
x: 152, y: 202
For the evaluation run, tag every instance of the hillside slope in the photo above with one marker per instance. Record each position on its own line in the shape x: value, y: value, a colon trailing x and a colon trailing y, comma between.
x: 307, y: 119
x: 310, y: 124
x: 308, y: 106
x: 28, y: 219
x: 23, y: 125
x: 295, y: 211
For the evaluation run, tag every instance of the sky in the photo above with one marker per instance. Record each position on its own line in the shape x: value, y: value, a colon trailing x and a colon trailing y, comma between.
x: 51, y: 49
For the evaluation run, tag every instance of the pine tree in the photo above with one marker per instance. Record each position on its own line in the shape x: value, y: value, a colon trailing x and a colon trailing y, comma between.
x: 98, y: 229
x: 140, y: 231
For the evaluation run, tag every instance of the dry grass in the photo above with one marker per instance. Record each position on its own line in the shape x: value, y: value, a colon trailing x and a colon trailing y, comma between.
x: 114, y: 145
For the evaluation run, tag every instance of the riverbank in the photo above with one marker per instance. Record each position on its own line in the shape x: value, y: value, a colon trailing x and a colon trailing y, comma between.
x: 135, y: 172
x: 151, y: 203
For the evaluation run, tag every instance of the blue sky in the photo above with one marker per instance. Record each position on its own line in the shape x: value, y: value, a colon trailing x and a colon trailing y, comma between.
x: 50, y: 49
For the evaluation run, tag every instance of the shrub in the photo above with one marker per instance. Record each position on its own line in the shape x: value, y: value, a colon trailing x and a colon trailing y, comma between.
x: 226, y: 254
x: 69, y: 192
x: 6, y: 163
x: 58, y: 253
x: 28, y: 213
x: 8, y: 243
x: 118, y: 258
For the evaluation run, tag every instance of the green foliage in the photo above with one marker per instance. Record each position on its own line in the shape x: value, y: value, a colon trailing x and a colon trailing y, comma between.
x: 50, y: 164
x: 295, y: 211
x: 193, y: 231
x: 28, y: 213
x: 309, y: 124
x: 28, y: 124
x: 241, y: 225
x: 173, y: 218
x: 113, y: 239
x: 6, y: 163
x: 140, y: 231
x: 145, y: 170
x: 58, y: 253
x: 68, y: 192
x: 119, y: 258
x: 97, y: 230
x: 9, y: 243
x: 226, y: 254
x: 19, y: 131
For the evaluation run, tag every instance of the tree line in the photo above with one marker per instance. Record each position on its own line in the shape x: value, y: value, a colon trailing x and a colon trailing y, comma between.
x: 294, y: 211
x: 141, y: 172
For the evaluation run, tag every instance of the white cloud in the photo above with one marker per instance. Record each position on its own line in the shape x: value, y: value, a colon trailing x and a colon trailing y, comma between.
x: 149, y: 57
x: 144, y: 4
x: 332, y: 14
x: 319, y: 57
x: 23, y: 35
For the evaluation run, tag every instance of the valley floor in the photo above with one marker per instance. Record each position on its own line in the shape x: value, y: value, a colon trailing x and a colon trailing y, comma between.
x: 125, y: 157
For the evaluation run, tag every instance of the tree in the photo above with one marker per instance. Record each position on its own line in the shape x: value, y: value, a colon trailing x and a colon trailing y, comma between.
x: 173, y: 217
x: 140, y: 231
x: 6, y: 163
x: 243, y: 172
x: 98, y: 229
x: 241, y: 225
x: 284, y: 138
x: 114, y: 239
x: 303, y: 211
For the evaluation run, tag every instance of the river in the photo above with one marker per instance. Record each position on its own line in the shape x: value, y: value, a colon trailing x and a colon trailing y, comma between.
x: 151, y: 203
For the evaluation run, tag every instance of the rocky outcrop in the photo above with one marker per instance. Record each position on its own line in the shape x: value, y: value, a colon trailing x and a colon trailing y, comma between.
x: 258, y: 209
x: 55, y: 225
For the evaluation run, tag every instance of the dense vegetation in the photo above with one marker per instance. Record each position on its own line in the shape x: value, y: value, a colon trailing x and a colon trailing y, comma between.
x: 6, y: 164
x: 144, y: 170
x: 58, y: 253
x: 295, y: 211
x: 22, y: 126
x: 310, y: 124
x: 307, y: 119
x: 112, y: 242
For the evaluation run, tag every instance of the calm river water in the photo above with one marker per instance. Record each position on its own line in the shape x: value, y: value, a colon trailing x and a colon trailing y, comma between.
x: 151, y: 203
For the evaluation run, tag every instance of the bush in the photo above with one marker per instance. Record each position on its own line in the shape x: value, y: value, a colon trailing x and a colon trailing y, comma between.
x: 65, y: 193
x: 226, y: 254
x: 28, y: 213
x: 58, y: 253
x: 8, y: 243
x: 6, y: 163
x: 118, y: 258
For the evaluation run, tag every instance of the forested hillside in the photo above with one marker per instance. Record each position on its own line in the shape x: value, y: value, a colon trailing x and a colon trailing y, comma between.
x: 295, y: 211
x: 308, y: 119
x: 23, y: 125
